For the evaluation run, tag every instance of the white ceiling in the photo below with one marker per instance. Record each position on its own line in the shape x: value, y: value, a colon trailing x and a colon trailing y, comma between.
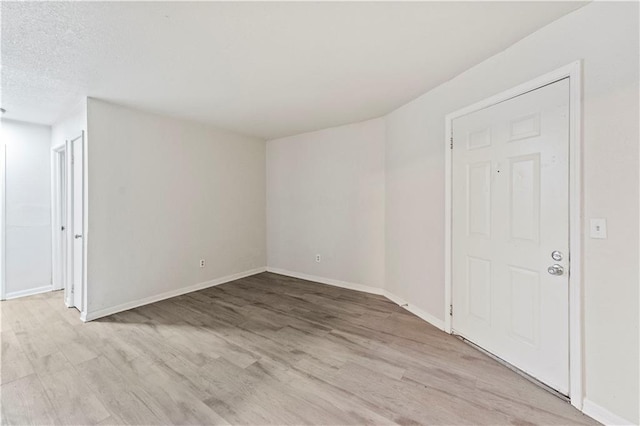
x: 264, y: 69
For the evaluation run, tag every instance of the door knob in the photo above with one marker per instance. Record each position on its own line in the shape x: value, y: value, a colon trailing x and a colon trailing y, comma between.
x: 555, y: 269
x: 77, y: 236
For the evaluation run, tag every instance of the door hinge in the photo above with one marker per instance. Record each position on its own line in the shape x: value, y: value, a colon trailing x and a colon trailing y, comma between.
x: 451, y: 143
x: 450, y: 310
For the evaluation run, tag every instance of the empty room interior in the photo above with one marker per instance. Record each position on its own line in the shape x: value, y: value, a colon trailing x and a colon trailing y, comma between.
x: 320, y: 213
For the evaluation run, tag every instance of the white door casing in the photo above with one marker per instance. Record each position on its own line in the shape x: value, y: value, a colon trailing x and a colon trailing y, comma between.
x: 76, y: 234
x: 510, y: 211
x: 68, y: 292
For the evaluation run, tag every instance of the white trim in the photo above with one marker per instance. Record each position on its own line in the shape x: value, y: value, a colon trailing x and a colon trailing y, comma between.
x: 448, y: 211
x: 576, y: 348
x: 423, y: 315
x: 85, y: 220
x: 69, y: 301
x: 3, y: 223
x: 329, y: 281
x: 29, y: 292
x: 90, y: 316
x: 83, y: 240
x: 574, y: 72
x: 603, y: 415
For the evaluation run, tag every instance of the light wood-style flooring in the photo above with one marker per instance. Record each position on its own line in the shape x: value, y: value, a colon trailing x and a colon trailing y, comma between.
x: 262, y: 350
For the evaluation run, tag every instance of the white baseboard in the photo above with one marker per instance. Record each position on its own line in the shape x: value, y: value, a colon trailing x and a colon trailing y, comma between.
x: 364, y: 288
x: 424, y: 315
x: 603, y: 415
x: 90, y: 316
x: 329, y: 281
x: 29, y: 292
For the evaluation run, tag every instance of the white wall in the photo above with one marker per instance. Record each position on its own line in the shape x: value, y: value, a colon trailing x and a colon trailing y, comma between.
x: 605, y: 36
x: 28, y: 207
x: 71, y: 125
x: 316, y: 182
x: 163, y: 194
x: 325, y: 195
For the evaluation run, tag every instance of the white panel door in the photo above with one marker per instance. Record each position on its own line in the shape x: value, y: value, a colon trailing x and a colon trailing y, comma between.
x: 61, y: 223
x: 77, y: 184
x: 510, y: 213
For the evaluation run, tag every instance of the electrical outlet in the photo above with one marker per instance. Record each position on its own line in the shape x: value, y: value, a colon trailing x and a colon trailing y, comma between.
x: 202, y: 263
x: 318, y: 258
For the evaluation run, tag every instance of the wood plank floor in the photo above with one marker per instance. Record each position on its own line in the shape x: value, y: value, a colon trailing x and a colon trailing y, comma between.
x: 262, y: 350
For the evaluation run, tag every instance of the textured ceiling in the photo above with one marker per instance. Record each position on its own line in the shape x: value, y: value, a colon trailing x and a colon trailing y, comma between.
x: 264, y: 69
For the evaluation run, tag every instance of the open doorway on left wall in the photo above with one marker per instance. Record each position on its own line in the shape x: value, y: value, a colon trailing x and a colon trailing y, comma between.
x: 67, y: 218
x: 42, y: 211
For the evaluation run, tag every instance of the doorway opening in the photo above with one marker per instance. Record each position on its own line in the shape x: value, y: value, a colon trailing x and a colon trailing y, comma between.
x: 68, y: 193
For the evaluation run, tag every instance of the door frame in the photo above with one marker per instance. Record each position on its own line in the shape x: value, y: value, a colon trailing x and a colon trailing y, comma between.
x: 573, y: 71
x: 72, y: 198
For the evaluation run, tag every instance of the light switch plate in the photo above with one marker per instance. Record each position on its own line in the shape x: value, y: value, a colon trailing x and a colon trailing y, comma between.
x: 598, y: 228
